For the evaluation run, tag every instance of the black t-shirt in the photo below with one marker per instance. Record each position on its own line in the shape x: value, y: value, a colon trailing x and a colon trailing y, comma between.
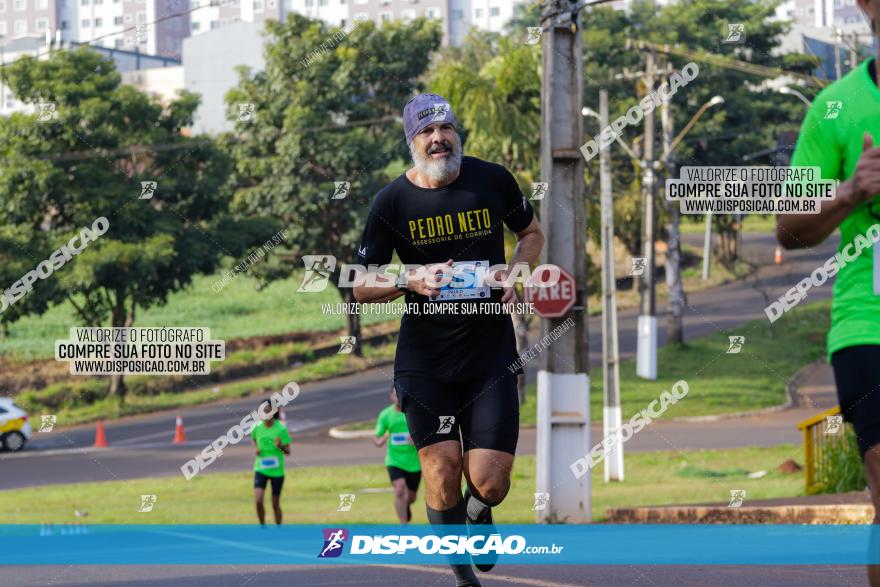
x: 463, y: 222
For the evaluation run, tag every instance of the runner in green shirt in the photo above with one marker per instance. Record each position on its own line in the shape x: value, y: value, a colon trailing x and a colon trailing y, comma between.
x: 272, y: 442
x: 401, y: 458
x: 839, y: 136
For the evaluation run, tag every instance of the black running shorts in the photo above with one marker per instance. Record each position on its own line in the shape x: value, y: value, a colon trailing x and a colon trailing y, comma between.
x: 261, y: 480
x: 413, y: 478
x: 857, y: 376
x: 481, y: 413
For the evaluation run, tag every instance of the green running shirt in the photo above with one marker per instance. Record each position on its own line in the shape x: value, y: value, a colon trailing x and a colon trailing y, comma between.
x: 401, y: 452
x: 270, y: 461
x: 831, y: 138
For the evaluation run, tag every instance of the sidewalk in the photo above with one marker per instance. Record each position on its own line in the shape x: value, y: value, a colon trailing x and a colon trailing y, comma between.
x: 813, y: 391
x: 841, y: 508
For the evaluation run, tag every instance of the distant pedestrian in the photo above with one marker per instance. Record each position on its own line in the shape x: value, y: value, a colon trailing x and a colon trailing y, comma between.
x: 272, y: 442
x: 401, y: 458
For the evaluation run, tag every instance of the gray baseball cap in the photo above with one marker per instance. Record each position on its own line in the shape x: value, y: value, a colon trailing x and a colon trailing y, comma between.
x: 424, y: 109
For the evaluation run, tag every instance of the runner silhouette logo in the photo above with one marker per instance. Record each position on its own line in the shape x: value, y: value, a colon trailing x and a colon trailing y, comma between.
x: 334, y: 542
x: 446, y: 424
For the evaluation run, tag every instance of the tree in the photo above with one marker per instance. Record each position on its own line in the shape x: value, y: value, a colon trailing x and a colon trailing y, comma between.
x: 324, y: 116
x: 494, y: 82
x: 87, y: 161
x: 751, y: 118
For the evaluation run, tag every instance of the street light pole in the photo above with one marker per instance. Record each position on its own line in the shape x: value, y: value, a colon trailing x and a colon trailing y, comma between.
x: 708, y: 239
x: 646, y: 341
x: 587, y: 111
x: 612, y: 417
x: 789, y: 91
x: 707, y: 246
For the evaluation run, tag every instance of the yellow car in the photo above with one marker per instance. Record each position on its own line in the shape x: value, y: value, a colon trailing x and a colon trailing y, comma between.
x: 15, y: 430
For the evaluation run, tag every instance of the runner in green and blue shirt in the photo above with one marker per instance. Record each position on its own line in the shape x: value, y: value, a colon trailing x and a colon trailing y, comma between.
x: 401, y: 458
x: 272, y: 442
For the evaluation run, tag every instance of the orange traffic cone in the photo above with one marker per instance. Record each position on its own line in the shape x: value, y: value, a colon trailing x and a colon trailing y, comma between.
x: 100, y: 438
x: 179, y: 434
x: 777, y: 258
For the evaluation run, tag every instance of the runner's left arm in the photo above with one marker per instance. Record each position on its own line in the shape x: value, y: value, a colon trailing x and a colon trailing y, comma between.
x: 285, y: 441
x: 529, y: 243
x: 521, y: 220
x: 381, y: 432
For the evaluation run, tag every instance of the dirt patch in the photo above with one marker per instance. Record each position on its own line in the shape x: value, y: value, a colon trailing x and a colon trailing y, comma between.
x: 816, y: 337
x: 789, y: 467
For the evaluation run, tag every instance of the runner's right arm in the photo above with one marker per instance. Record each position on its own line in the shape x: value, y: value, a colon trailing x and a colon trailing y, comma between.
x: 796, y: 231
x: 420, y: 282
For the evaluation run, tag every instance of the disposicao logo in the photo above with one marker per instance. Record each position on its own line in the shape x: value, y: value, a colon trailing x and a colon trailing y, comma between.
x: 334, y: 541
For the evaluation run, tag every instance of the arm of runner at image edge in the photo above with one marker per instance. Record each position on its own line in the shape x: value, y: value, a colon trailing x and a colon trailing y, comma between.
x: 530, y: 241
x: 381, y: 431
x: 285, y: 441
x: 816, y: 147
x: 376, y: 246
x: 529, y: 238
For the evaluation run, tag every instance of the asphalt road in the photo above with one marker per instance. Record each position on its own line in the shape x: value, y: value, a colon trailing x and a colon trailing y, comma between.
x: 435, y: 576
x: 141, y: 446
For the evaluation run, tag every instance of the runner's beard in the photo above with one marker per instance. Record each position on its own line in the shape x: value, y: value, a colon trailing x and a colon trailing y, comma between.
x: 439, y: 170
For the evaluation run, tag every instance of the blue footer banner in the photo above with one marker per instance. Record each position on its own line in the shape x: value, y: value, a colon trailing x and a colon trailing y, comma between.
x: 422, y: 544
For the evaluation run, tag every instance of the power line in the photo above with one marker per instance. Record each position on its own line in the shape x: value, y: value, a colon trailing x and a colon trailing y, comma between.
x: 729, y: 62
x: 559, y: 16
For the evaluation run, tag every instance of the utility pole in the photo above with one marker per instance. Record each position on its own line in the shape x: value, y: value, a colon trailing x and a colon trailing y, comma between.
x: 646, y: 342
x: 674, y: 327
x: 836, y: 43
x: 2, y: 65
x: 707, y: 246
x: 563, y: 431
x: 612, y: 417
x: 854, y: 52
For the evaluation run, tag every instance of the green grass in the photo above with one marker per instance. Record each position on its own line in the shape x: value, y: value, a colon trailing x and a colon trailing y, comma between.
x: 719, y: 382
x: 692, y: 282
x: 311, y: 494
x: 751, y: 223
x: 238, y: 311
x: 842, y: 464
x: 359, y: 426
x: 323, y: 368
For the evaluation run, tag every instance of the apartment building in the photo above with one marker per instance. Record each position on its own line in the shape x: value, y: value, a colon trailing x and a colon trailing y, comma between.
x: 156, y: 27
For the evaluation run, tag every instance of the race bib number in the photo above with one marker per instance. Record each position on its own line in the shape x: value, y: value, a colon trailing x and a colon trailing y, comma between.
x: 399, y: 438
x: 269, y: 462
x: 876, y: 269
x: 466, y: 280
